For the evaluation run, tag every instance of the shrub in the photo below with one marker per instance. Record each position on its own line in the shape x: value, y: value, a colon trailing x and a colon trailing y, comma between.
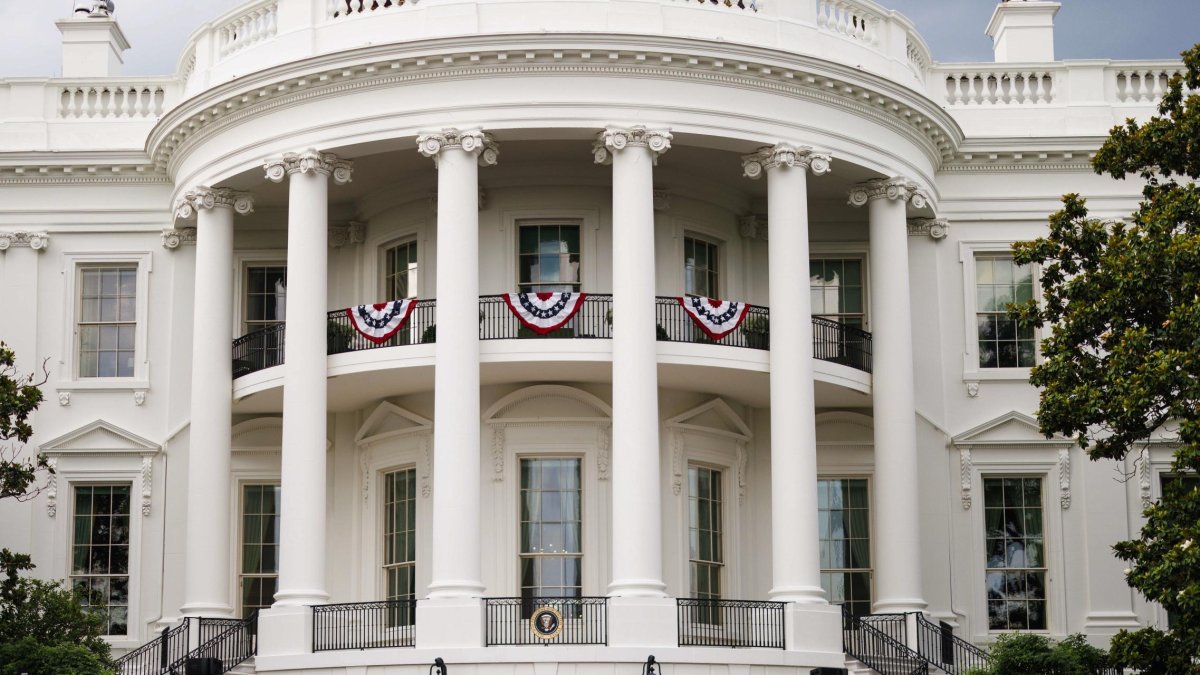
x: 1032, y: 654
x: 29, y: 656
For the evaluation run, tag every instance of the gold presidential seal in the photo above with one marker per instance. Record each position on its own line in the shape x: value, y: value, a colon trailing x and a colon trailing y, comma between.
x: 546, y: 623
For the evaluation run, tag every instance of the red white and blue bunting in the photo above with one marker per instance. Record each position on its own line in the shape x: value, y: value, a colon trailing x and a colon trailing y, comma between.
x: 717, y: 318
x: 379, y: 322
x: 544, y: 312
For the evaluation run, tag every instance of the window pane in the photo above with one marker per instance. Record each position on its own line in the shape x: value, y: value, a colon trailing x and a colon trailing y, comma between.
x: 259, y: 546
x: 548, y: 257
x: 704, y: 528
x: 100, y: 552
x: 999, y: 283
x: 551, y: 527
x: 107, y: 318
x: 844, y: 518
x: 1015, y: 553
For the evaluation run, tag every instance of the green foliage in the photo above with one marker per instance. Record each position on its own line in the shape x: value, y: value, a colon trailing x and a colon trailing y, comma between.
x: 45, y: 612
x: 1122, y: 360
x: 28, y: 656
x: 1033, y: 654
x: 19, y: 397
x: 337, y: 337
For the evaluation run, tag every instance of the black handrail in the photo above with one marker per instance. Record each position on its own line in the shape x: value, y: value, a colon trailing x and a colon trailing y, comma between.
x: 836, y: 342
x: 260, y: 349
x: 581, y: 621
x: 364, y: 625
x: 419, y: 329
x: 730, y: 623
x: 938, y: 644
x: 675, y: 325
x: 593, y: 320
x: 232, y: 642
x: 894, y: 626
x: 877, y: 649
x: 155, y: 657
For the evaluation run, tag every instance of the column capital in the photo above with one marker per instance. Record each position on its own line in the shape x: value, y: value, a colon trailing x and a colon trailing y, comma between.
x: 324, y: 163
x: 203, y: 197
x: 772, y: 157
x: 173, y: 238
x: 753, y: 227
x: 349, y: 232
x: 37, y: 241
x: 615, y: 139
x: 895, y: 189
x: 472, y: 141
x: 934, y: 228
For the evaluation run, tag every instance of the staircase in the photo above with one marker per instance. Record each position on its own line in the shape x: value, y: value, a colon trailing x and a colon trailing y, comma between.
x: 244, y: 668
x: 226, y: 646
x: 881, y: 644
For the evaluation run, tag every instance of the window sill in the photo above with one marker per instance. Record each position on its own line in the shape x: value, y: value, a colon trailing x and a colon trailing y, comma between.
x: 996, y: 375
x: 103, y: 384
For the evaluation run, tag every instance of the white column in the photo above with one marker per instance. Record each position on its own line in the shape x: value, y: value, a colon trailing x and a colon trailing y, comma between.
x: 637, y: 568
x: 207, y: 584
x: 302, y: 478
x: 457, y: 556
x: 896, y: 484
x: 795, y: 559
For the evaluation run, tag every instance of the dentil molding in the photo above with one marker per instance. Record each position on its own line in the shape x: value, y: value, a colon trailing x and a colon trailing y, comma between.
x: 38, y: 241
x: 768, y: 158
x: 323, y: 163
x: 473, y: 142
x: 895, y: 189
x: 615, y: 139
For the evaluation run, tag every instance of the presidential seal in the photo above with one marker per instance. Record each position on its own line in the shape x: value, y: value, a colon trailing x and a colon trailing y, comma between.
x: 546, y: 623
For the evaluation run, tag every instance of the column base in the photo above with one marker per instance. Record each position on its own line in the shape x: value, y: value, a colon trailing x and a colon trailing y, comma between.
x: 637, y: 588
x: 197, y: 609
x: 285, y: 631
x: 642, y: 622
x: 450, y: 590
x: 302, y: 598
x: 449, y: 623
x: 813, y: 628
x: 899, y: 606
x: 801, y: 595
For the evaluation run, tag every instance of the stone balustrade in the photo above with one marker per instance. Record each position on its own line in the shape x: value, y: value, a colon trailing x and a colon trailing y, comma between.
x: 257, y: 24
x: 113, y: 100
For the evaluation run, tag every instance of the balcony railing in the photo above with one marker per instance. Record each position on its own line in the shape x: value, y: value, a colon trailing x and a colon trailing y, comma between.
x: 730, y: 623
x: 546, y: 621
x: 157, y: 655
x: 832, y: 341
x: 364, y: 625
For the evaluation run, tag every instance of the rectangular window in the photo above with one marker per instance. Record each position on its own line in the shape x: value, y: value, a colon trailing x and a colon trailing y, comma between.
x: 400, y: 271
x: 1185, y: 483
x: 266, y: 296
x: 700, y: 267
x: 107, y: 321
x: 260, y: 546
x: 100, y: 553
x: 548, y: 257
x: 1016, y: 554
x: 999, y: 283
x: 400, y: 542
x: 836, y: 286
x: 705, y: 547
x: 845, y: 530
x: 551, y: 528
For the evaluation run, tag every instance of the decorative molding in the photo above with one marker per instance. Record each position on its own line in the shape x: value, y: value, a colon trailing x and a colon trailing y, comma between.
x: 741, y: 471
x: 614, y: 139
x: 472, y: 141
x: 498, y: 453
x: 603, y: 441
x: 324, y: 163
x: 365, y: 468
x: 64, y: 398
x: 965, y: 471
x: 52, y: 487
x: 147, y: 483
x: 934, y: 228
x: 1064, y: 477
x: 351, y: 232
x: 38, y: 241
x: 139, y: 397
x: 1144, y: 476
x: 426, y: 465
x: 203, y: 197
x: 433, y: 200
x: 173, y: 238
x: 677, y: 462
x: 767, y: 158
x: 895, y: 189
x: 973, y: 389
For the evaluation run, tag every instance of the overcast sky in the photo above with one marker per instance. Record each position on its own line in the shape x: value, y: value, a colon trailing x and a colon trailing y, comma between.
x: 157, y: 29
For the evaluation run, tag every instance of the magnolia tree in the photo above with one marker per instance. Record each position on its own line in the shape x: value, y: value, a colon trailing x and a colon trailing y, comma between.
x: 1122, y: 360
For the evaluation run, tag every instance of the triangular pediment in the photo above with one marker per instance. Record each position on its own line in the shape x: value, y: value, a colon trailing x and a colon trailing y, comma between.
x: 1012, y: 428
x: 715, y: 416
x: 389, y: 420
x: 99, y: 437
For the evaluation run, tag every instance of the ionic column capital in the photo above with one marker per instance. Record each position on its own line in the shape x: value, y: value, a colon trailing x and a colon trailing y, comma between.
x: 324, y: 163
x: 615, y: 139
x: 173, y: 238
x: 772, y: 157
x: 895, y: 189
x: 472, y: 141
x: 203, y: 198
x: 37, y: 241
x: 934, y: 228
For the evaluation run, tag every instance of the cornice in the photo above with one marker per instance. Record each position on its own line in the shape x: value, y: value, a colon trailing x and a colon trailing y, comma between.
x: 906, y: 111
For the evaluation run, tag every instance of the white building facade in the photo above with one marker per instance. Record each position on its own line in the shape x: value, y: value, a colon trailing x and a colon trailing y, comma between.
x: 181, y: 252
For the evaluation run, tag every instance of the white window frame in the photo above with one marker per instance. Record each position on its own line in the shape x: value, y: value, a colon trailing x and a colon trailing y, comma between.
x: 380, y: 455
x: 841, y: 251
x: 725, y: 580
x: 589, y: 227
x: 372, y: 264
x: 868, y: 475
x: 968, y: 251
x: 695, y: 446
x: 73, y: 263
x: 1047, y: 504
x: 242, y: 262
x: 692, y: 232
x: 384, y: 293
x: 239, y: 535
x: 569, y: 451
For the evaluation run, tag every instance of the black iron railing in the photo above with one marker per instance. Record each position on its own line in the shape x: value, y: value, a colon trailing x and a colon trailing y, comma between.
x: 258, y: 350
x: 674, y: 325
x: 156, y: 656
x: 940, y: 646
x: 520, y: 621
x: 421, y: 328
x: 593, y: 320
x: 894, y: 626
x: 864, y: 641
x: 224, y: 643
x: 364, y: 625
x: 730, y: 623
x: 838, y: 343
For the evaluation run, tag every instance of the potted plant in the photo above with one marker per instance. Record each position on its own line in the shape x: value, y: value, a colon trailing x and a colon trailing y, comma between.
x: 338, y: 336
x: 757, y: 330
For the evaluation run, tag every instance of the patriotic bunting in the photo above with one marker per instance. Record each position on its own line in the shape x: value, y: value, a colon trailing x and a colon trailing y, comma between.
x: 717, y: 318
x: 544, y: 312
x: 379, y: 322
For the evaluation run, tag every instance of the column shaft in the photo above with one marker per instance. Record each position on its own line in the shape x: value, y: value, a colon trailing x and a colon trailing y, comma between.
x: 207, y: 550
x: 637, y: 568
